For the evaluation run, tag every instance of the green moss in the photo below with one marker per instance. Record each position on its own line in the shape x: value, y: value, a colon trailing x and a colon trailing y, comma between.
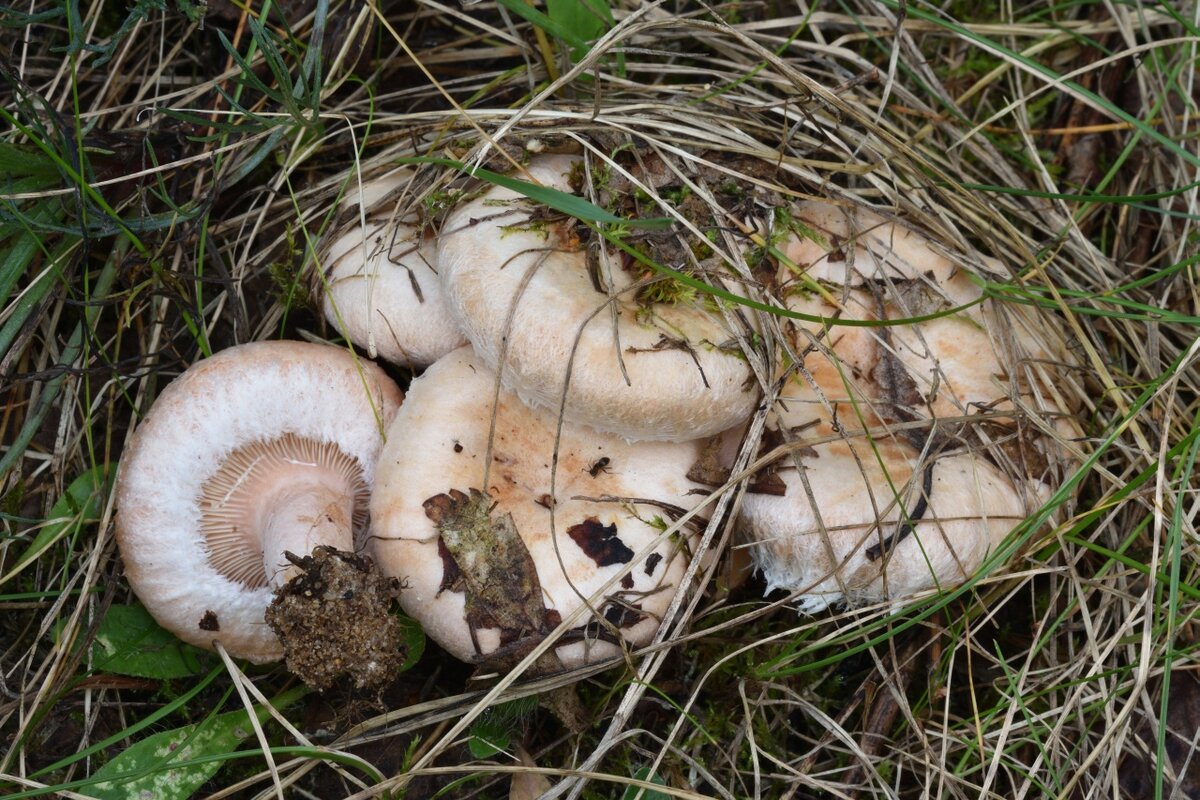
x: 601, y: 177
x: 285, y: 273
x: 532, y: 226
x: 10, y: 503
x: 732, y: 189
x: 702, y: 249
x: 669, y: 291
x: 786, y: 224
x: 677, y: 195
x: 437, y: 202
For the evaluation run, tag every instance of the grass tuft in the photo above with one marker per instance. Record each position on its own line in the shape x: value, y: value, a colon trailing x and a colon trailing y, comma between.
x: 168, y: 171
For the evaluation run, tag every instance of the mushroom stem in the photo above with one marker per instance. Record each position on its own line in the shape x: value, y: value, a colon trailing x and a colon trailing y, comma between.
x: 302, y: 515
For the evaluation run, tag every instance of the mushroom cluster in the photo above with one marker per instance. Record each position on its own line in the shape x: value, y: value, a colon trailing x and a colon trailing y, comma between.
x: 505, y: 520
x: 543, y: 479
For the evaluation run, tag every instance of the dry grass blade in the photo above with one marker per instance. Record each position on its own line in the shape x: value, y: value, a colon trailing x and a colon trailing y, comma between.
x: 166, y: 179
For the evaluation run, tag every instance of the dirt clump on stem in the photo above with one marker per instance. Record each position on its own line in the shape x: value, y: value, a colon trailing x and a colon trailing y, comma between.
x: 335, y: 618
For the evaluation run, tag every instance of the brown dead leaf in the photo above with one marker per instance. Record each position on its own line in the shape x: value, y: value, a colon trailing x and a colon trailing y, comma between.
x: 708, y: 469
x: 495, y: 570
x: 527, y: 785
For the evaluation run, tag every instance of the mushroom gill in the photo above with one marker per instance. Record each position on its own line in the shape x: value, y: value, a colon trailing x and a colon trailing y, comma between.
x: 283, y: 494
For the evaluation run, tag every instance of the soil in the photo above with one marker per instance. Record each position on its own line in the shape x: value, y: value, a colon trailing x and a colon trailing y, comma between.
x: 335, y: 619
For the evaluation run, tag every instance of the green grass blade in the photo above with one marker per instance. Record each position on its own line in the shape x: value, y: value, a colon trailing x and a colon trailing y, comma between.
x: 551, y: 26
x: 70, y: 354
x: 35, y: 293
x: 563, y: 202
x: 81, y: 504
x: 1050, y: 75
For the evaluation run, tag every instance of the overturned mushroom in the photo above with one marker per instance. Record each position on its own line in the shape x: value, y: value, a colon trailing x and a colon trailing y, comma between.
x: 261, y: 450
x: 908, y: 461
x: 491, y: 569
x: 380, y: 288
x: 521, y: 286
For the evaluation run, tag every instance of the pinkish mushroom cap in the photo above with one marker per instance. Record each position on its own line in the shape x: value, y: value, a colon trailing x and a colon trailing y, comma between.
x: 381, y: 289
x: 864, y: 519
x: 522, y: 286
x: 262, y: 449
x: 883, y: 271
x: 931, y: 465
x: 433, y: 468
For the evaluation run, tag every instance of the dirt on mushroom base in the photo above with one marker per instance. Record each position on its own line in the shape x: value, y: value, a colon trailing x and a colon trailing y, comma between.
x: 335, y: 618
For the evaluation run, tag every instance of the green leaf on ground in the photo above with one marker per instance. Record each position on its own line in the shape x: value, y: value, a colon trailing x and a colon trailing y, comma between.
x: 493, y: 730
x: 414, y: 642
x: 130, y: 642
x: 587, y: 20
x: 81, y: 504
x: 489, y: 737
x: 638, y: 793
x: 173, y: 764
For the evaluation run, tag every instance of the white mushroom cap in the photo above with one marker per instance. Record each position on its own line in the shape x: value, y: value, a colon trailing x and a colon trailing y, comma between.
x: 881, y: 270
x: 199, y: 489
x: 382, y: 291
x: 933, y: 494
x: 518, y: 283
x: 891, y: 251
x: 438, y: 444
x: 847, y: 541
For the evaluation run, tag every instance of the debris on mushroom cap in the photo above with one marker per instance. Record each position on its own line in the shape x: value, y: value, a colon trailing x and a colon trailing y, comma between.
x: 496, y: 570
x: 380, y: 287
x: 271, y: 439
x: 908, y: 459
x: 520, y: 283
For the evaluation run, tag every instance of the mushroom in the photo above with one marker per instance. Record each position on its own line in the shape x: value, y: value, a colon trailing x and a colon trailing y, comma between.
x: 380, y: 287
x: 865, y: 518
x: 522, y: 289
x: 488, y: 569
x: 260, y: 450
x: 883, y: 271
x: 908, y: 462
